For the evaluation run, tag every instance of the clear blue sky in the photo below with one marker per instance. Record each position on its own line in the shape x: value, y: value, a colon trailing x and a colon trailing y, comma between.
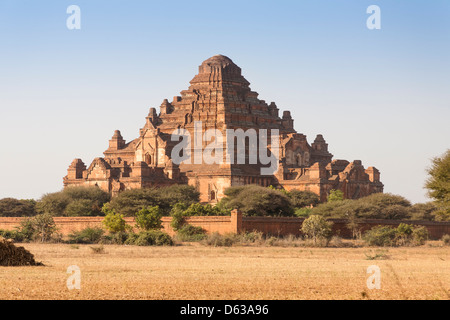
x: 381, y: 96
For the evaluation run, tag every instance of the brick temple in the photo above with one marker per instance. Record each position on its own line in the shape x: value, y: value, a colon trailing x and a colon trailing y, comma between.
x: 220, y: 98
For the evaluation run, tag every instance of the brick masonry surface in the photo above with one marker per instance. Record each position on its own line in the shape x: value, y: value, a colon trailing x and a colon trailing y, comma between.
x: 236, y: 223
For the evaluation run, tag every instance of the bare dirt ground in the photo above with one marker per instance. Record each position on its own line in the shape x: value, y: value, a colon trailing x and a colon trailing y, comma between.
x: 252, y: 273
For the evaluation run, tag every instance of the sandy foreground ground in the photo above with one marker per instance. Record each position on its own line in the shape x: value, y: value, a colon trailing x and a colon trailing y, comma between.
x: 194, y: 271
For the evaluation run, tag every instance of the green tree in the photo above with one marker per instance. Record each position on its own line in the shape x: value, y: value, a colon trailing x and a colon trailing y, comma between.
x: 301, y: 199
x: 255, y: 200
x: 10, y: 207
x: 74, y: 201
x: 335, y: 195
x: 113, y: 222
x: 40, y: 227
x: 129, y: 202
x: 438, y: 185
x: 149, y: 218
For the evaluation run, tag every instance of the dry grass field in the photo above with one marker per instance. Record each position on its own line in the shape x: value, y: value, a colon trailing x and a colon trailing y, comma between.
x: 199, y: 272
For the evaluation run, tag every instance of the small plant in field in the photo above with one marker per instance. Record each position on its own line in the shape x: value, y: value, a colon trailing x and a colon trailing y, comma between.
x: 377, y: 255
x: 446, y: 239
x: 191, y: 233
x: 88, y: 235
x: 404, y: 234
x: 97, y: 250
x: 149, y: 238
x: 218, y: 240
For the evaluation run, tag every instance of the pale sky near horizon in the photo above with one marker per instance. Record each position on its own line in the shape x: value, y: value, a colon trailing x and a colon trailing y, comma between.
x: 380, y: 96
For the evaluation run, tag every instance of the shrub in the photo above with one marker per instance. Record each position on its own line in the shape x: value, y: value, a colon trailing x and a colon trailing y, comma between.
x: 149, y: 218
x: 191, y: 233
x: 97, y: 250
x: 446, y: 239
x: 218, y: 240
x: 113, y: 222
x: 255, y: 200
x: 419, y: 235
x: 40, y: 227
x: 318, y: 229
x: 86, y: 236
x: 382, y: 236
x: 404, y: 234
x: 14, y: 235
x: 152, y: 238
x: 178, y: 216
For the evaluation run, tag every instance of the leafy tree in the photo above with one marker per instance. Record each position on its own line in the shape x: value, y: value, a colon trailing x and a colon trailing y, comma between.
x: 374, y: 206
x: 10, y: 207
x: 301, y: 199
x: 40, y: 227
x: 74, y: 201
x: 423, y: 211
x: 335, y: 195
x: 317, y: 228
x: 113, y: 222
x: 129, y: 202
x: 255, y: 200
x: 438, y: 185
x: 149, y: 218
x: 197, y: 209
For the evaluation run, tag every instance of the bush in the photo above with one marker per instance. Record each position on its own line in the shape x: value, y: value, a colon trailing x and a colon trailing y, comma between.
x: 41, y: 227
x: 178, y: 216
x: 14, y: 235
x: 191, y: 233
x: 86, y: 236
x: 446, y: 239
x: 318, y: 229
x: 10, y: 207
x: 217, y: 240
x: 419, y: 235
x: 382, y: 236
x: 254, y: 200
x: 150, y: 238
x: 149, y: 218
x: 404, y: 234
x: 113, y: 222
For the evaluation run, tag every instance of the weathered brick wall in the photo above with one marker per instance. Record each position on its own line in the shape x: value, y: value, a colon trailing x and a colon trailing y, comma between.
x: 284, y: 226
x: 67, y: 225
x: 235, y: 223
